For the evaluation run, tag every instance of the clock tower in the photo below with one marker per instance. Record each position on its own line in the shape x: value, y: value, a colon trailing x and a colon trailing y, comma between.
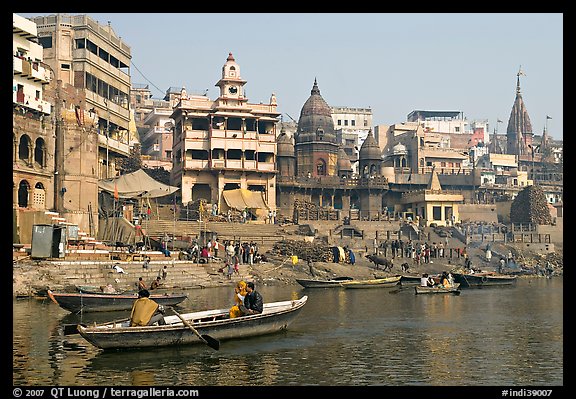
x: 231, y: 85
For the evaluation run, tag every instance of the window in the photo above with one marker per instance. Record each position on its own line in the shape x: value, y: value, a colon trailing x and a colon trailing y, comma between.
x: 365, y: 123
x: 457, y: 129
x: 65, y: 67
x: 353, y: 122
x: 436, y: 213
x: 346, y: 122
x: 45, y: 41
x: 339, y: 122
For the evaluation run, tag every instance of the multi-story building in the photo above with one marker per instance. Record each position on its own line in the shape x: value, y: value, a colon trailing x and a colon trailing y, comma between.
x: 32, y: 136
x: 226, y: 144
x: 31, y: 74
x: 93, y: 59
x: 351, y: 126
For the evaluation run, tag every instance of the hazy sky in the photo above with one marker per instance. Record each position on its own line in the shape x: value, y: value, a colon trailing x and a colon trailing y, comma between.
x: 392, y: 63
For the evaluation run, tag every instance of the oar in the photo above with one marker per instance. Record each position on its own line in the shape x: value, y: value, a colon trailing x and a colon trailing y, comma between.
x: 208, y: 340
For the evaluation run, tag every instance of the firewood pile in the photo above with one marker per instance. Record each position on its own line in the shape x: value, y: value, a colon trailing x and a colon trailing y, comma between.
x: 303, y: 250
x: 530, y: 206
x: 309, y: 211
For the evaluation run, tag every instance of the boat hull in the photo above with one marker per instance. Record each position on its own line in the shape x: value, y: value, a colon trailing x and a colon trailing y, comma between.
x: 316, y: 283
x: 483, y: 280
x: 276, y: 317
x: 410, y: 280
x: 387, y: 282
x: 419, y: 290
x: 81, y: 302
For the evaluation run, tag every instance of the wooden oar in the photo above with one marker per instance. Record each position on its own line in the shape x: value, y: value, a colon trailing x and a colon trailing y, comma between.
x: 208, y: 340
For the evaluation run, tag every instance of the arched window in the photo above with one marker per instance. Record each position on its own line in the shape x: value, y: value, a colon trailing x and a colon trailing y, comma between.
x: 40, y: 152
x: 23, y: 191
x: 24, y: 148
x: 39, y: 198
x: 321, y: 167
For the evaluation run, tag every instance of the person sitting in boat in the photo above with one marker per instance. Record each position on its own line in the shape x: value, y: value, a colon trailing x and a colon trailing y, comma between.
x: 431, y: 282
x: 424, y: 280
x: 253, y: 302
x: 445, y: 281
x: 239, y: 294
x: 146, y: 311
x: 156, y: 283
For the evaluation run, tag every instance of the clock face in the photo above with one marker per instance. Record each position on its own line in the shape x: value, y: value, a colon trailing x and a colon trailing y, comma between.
x: 233, y: 90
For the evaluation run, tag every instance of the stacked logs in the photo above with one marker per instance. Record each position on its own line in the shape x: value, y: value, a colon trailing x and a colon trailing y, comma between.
x: 530, y: 206
x: 309, y: 211
x: 303, y: 250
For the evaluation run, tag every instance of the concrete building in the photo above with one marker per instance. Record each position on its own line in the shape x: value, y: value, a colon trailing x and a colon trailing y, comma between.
x: 224, y: 145
x: 32, y: 136
x: 352, y: 126
x: 93, y: 59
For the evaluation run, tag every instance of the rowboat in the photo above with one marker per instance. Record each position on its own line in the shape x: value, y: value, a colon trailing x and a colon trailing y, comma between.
x: 83, y: 302
x: 318, y: 283
x: 455, y: 289
x: 407, y: 279
x: 385, y: 282
x: 483, y: 279
x: 193, y: 328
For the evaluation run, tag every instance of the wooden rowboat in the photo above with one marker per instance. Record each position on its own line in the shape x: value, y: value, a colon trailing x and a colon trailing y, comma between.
x: 81, y: 302
x: 455, y: 290
x: 188, y: 328
x: 385, y: 282
x: 318, y: 283
x: 483, y: 279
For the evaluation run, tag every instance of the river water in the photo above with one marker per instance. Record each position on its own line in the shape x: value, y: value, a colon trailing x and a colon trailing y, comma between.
x: 500, y: 336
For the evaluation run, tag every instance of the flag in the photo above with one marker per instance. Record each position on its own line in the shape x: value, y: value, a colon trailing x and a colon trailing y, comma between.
x: 115, y: 190
x: 547, y: 117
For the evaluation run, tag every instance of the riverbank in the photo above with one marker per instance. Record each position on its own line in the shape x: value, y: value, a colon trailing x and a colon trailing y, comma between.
x: 33, y: 277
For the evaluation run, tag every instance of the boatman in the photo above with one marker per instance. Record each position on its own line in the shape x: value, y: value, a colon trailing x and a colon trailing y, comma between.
x: 145, y: 311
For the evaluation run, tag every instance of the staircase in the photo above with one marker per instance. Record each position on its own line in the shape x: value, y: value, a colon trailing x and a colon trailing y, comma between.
x: 265, y: 235
x: 181, y: 275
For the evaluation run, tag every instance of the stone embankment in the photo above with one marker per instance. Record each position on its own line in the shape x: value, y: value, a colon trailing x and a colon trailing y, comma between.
x: 31, y: 278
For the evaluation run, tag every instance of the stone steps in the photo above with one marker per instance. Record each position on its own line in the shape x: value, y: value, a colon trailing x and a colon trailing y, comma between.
x: 180, y: 274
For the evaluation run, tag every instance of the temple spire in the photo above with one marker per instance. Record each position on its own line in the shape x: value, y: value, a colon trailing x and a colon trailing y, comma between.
x: 520, y: 72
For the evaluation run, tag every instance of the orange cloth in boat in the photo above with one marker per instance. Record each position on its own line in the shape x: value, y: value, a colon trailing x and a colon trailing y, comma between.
x: 142, y: 311
x: 239, y: 299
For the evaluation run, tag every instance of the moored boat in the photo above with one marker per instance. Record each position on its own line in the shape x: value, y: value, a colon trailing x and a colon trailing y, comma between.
x: 438, y: 289
x: 408, y: 279
x: 192, y: 328
x: 319, y: 283
x: 483, y: 279
x: 385, y: 282
x: 83, y: 302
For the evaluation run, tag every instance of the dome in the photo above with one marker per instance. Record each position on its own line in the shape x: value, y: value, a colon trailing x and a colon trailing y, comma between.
x: 370, y: 149
x: 399, y: 149
x: 315, y: 123
x: 343, y: 160
x: 285, y: 148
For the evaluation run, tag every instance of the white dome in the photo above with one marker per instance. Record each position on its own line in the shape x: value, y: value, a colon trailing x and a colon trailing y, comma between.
x: 399, y: 149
